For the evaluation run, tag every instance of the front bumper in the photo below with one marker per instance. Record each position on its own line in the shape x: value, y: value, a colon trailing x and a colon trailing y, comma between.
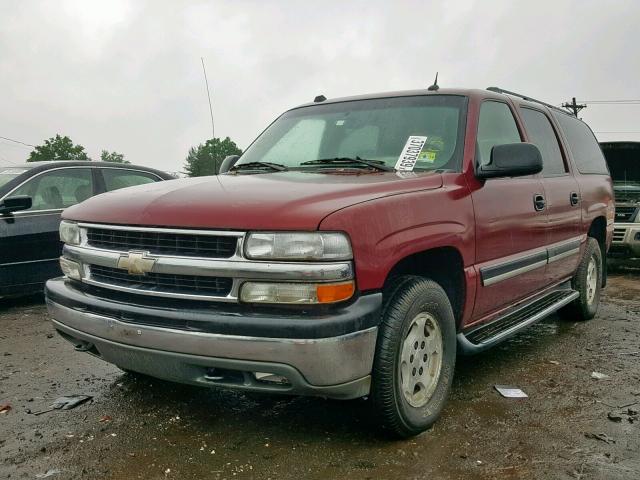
x: 336, y: 366
x: 626, y: 241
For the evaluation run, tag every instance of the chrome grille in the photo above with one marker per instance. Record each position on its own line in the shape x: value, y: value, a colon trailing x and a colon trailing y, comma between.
x: 162, y: 282
x: 625, y: 213
x: 163, y: 243
x: 627, y: 196
x: 618, y: 234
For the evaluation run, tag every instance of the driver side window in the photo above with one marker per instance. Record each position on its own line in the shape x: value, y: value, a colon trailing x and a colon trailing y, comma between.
x: 58, y: 189
x: 496, y: 126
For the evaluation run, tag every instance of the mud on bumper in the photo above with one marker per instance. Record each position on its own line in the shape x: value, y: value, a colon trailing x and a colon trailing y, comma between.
x: 336, y: 366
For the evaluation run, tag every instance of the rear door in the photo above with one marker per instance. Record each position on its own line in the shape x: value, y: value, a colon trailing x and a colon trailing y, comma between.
x: 562, y: 196
x: 32, y: 246
x: 511, y: 231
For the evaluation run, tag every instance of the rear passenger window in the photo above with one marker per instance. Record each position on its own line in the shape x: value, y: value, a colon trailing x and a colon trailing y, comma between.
x: 542, y: 135
x: 115, y: 178
x: 496, y: 126
x: 583, y: 145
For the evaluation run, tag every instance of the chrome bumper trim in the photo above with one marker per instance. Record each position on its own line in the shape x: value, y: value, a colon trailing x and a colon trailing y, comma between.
x: 325, y: 361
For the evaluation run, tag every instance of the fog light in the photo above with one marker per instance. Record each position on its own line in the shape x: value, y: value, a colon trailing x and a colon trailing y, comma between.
x: 70, y: 268
x: 296, y: 293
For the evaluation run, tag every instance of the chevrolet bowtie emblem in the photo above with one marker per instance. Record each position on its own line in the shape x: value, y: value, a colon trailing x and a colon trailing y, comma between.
x: 136, y: 263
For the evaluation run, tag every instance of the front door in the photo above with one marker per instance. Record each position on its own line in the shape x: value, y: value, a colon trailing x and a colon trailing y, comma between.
x: 511, y: 221
x: 31, y: 245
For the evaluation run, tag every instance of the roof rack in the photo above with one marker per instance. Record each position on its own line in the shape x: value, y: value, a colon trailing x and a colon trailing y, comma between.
x: 524, y: 97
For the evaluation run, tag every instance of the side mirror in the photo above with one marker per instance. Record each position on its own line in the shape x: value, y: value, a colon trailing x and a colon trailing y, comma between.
x: 15, y: 204
x: 512, y: 160
x: 227, y: 163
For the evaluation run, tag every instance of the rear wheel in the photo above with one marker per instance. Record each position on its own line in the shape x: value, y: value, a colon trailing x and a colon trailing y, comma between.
x: 588, y: 283
x: 415, y: 356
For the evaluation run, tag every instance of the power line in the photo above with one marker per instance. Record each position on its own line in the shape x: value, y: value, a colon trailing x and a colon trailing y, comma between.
x: 612, y: 102
x: 10, y: 162
x: 620, y: 132
x: 17, y: 141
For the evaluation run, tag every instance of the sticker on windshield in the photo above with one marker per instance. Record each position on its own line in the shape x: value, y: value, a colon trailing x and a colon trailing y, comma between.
x: 427, y: 156
x: 410, y: 153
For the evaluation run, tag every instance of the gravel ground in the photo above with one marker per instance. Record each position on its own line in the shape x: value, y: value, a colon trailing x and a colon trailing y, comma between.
x: 571, y: 426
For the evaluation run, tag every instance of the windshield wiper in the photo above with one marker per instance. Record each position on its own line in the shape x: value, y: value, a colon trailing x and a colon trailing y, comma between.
x: 255, y: 165
x: 377, y: 164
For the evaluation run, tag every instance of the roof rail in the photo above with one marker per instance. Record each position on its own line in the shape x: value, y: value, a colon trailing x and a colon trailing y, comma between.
x: 524, y: 97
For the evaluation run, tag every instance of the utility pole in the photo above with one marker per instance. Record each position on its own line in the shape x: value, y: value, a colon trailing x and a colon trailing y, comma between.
x: 573, y: 107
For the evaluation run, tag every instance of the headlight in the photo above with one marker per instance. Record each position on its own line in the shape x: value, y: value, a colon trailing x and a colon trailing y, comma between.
x: 70, y: 268
x: 298, y: 246
x: 296, y: 293
x: 69, y: 233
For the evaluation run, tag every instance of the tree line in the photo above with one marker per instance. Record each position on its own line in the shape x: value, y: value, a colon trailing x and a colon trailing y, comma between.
x: 63, y: 148
x: 203, y: 159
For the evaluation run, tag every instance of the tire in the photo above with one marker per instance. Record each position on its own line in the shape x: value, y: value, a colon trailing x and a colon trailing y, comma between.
x: 588, y: 283
x: 412, y: 306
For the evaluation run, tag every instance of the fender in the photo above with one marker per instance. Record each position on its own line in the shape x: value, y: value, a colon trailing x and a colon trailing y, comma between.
x: 386, y: 230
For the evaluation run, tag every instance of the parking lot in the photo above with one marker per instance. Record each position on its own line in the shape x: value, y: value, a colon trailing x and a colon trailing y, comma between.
x: 571, y: 426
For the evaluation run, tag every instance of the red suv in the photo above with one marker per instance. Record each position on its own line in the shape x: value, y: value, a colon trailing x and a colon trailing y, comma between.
x: 353, y: 250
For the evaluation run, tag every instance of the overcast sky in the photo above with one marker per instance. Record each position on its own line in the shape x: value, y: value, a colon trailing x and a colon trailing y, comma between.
x: 126, y: 75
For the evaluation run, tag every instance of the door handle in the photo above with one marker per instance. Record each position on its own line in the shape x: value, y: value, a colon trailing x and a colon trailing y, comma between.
x: 574, y: 198
x: 538, y: 202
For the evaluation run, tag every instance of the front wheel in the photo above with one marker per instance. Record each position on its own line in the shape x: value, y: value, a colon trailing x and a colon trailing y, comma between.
x: 415, y: 356
x: 588, y: 283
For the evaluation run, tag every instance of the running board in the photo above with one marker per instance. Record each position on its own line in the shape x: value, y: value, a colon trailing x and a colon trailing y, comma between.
x: 477, y: 339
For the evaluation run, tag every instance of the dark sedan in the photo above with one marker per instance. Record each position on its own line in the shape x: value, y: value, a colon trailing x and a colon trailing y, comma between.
x: 32, y: 196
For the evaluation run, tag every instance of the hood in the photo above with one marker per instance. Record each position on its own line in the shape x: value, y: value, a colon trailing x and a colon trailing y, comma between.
x: 278, y: 201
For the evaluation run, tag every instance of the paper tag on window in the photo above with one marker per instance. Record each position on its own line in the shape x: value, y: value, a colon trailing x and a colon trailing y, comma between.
x: 409, y: 156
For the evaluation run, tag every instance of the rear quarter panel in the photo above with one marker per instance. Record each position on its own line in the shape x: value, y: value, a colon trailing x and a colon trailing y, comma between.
x: 596, y: 194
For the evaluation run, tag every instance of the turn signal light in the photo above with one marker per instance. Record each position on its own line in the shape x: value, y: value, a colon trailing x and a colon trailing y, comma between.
x: 335, y: 292
x: 296, y: 293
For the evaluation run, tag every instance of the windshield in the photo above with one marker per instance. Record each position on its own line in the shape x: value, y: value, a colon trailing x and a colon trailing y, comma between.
x: 8, y: 174
x: 377, y: 130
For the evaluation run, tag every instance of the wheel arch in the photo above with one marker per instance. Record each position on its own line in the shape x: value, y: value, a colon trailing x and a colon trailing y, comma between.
x: 444, y: 265
x: 598, y: 231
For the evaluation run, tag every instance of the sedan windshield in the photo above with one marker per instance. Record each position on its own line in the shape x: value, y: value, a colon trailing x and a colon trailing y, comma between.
x: 8, y: 174
x: 365, y: 133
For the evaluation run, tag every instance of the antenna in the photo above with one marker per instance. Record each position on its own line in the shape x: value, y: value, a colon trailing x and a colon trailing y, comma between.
x: 206, y: 82
x: 434, y: 87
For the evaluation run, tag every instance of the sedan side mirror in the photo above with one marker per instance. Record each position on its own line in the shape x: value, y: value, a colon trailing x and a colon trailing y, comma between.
x: 15, y: 204
x: 512, y: 160
x: 227, y: 163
